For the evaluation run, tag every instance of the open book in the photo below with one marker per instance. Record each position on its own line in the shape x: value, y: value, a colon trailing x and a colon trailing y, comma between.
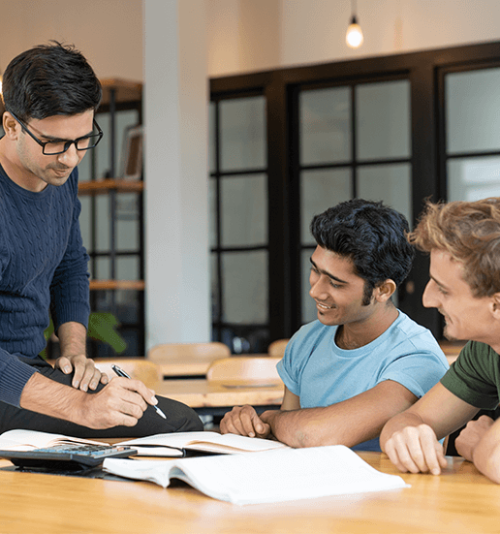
x: 169, y: 445
x: 265, y: 477
x: 27, y: 440
x: 180, y: 443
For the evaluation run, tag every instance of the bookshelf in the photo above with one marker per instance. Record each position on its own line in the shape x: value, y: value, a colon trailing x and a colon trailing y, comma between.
x: 112, y: 216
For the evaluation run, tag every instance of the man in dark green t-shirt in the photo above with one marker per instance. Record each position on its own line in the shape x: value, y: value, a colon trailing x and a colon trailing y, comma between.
x: 463, y: 239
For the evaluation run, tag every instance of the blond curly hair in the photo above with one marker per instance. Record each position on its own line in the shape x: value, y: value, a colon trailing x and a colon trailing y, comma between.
x: 470, y: 233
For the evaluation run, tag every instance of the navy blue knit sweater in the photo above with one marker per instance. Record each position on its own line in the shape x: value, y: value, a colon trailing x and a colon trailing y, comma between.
x: 43, y: 265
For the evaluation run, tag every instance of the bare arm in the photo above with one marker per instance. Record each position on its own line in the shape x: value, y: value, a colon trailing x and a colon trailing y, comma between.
x: 121, y: 402
x: 410, y: 439
x: 72, y: 339
x: 245, y: 421
x: 479, y: 442
x: 350, y: 422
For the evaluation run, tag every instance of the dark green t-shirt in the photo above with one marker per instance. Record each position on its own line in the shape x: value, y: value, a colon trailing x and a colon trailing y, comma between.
x: 475, y: 376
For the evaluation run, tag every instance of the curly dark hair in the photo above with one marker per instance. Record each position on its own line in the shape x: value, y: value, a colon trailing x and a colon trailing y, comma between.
x: 372, y: 236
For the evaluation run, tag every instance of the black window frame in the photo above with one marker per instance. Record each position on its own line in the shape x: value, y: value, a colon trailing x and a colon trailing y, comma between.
x: 425, y: 71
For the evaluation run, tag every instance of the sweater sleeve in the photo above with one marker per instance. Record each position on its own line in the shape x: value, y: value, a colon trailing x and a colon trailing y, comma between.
x: 70, y: 284
x: 13, y: 377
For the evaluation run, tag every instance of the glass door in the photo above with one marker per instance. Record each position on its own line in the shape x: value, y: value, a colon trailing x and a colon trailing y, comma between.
x: 354, y: 142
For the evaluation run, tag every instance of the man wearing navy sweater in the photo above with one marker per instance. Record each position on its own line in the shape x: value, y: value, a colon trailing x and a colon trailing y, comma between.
x: 50, y: 96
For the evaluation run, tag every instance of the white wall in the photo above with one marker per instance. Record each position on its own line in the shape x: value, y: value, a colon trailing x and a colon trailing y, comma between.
x: 313, y: 31
x: 176, y: 207
x: 108, y: 32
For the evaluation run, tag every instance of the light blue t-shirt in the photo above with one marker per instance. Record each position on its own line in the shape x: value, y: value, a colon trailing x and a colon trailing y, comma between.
x: 321, y: 374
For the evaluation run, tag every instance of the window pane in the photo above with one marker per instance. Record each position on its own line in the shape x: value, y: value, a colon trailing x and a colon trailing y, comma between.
x: 309, y: 311
x: 85, y: 167
x: 243, y: 133
x: 472, y: 103
x: 389, y: 183
x: 244, y: 210
x: 321, y: 190
x: 127, y: 268
x: 325, y: 126
x: 85, y: 222
x: 245, y: 287
x: 383, y: 120
x: 127, y: 221
x: 102, y: 269
x: 102, y: 223
x: 124, y: 119
x: 127, y: 306
x: 473, y: 178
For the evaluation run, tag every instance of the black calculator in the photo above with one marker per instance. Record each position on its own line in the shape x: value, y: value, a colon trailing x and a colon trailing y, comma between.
x: 67, y: 456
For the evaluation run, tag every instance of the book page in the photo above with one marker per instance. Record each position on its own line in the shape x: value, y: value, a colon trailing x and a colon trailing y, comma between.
x: 266, y: 477
x: 21, y: 439
x: 207, y: 441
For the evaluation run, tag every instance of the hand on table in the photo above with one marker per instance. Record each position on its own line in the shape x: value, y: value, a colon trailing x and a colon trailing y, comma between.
x: 416, y: 449
x: 471, y: 435
x: 85, y: 373
x: 243, y: 420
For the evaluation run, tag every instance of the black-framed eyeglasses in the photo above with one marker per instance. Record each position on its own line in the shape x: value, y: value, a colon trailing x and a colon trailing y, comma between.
x: 59, y: 146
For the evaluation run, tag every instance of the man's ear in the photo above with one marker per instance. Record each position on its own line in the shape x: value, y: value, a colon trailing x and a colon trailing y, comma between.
x: 495, y: 306
x: 384, y: 291
x: 10, y: 126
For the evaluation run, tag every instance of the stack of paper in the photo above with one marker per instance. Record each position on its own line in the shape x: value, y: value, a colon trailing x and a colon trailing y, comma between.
x: 265, y: 477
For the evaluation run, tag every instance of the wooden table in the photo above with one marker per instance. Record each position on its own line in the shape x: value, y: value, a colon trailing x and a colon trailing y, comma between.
x: 460, y: 501
x: 189, y: 367
x: 204, y: 394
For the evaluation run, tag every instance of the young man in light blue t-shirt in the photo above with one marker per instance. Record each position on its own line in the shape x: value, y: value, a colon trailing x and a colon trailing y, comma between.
x: 363, y: 360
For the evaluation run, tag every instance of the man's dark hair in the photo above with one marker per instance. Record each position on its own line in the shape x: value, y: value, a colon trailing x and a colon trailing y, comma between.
x: 372, y: 236
x: 50, y: 80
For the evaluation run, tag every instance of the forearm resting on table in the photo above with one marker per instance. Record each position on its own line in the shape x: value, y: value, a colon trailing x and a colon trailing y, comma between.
x: 397, y: 424
x: 349, y: 422
x: 486, y: 455
x: 315, y: 427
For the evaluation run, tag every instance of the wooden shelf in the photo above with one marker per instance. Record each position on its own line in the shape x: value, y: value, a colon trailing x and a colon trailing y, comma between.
x: 100, y: 285
x: 126, y: 91
x: 99, y: 187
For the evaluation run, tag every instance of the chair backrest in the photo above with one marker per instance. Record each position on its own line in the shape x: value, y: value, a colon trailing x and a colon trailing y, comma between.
x: 258, y: 368
x: 277, y: 348
x: 138, y: 368
x: 208, y: 351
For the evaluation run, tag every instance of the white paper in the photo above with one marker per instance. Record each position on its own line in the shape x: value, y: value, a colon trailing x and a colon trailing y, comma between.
x: 206, y: 441
x: 266, y: 477
x: 25, y: 440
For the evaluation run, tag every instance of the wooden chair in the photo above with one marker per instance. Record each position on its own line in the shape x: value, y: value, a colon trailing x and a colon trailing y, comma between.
x: 168, y: 351
x: 244, y: 368
x: 277, y: 348
x: 138, y: 368
x: 180, y: 360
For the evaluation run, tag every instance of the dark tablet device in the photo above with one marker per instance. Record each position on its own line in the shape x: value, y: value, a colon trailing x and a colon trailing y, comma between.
x: 69, y: 456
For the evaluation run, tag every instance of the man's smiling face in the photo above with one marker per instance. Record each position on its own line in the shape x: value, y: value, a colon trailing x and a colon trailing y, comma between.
x: 467, y: 317
x: 336, y: 289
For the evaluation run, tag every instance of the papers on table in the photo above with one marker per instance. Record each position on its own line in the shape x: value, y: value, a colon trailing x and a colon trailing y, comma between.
x: 265, y: 477
x: 177, y: 444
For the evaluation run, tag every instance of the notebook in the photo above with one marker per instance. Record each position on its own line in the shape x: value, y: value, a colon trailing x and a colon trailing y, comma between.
x: 265, y: 477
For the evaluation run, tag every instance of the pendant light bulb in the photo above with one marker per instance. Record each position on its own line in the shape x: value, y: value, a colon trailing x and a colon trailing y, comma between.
x: 354, y: 35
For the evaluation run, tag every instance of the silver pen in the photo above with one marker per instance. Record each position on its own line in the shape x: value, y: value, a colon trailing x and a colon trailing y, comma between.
x: 121, y: 372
